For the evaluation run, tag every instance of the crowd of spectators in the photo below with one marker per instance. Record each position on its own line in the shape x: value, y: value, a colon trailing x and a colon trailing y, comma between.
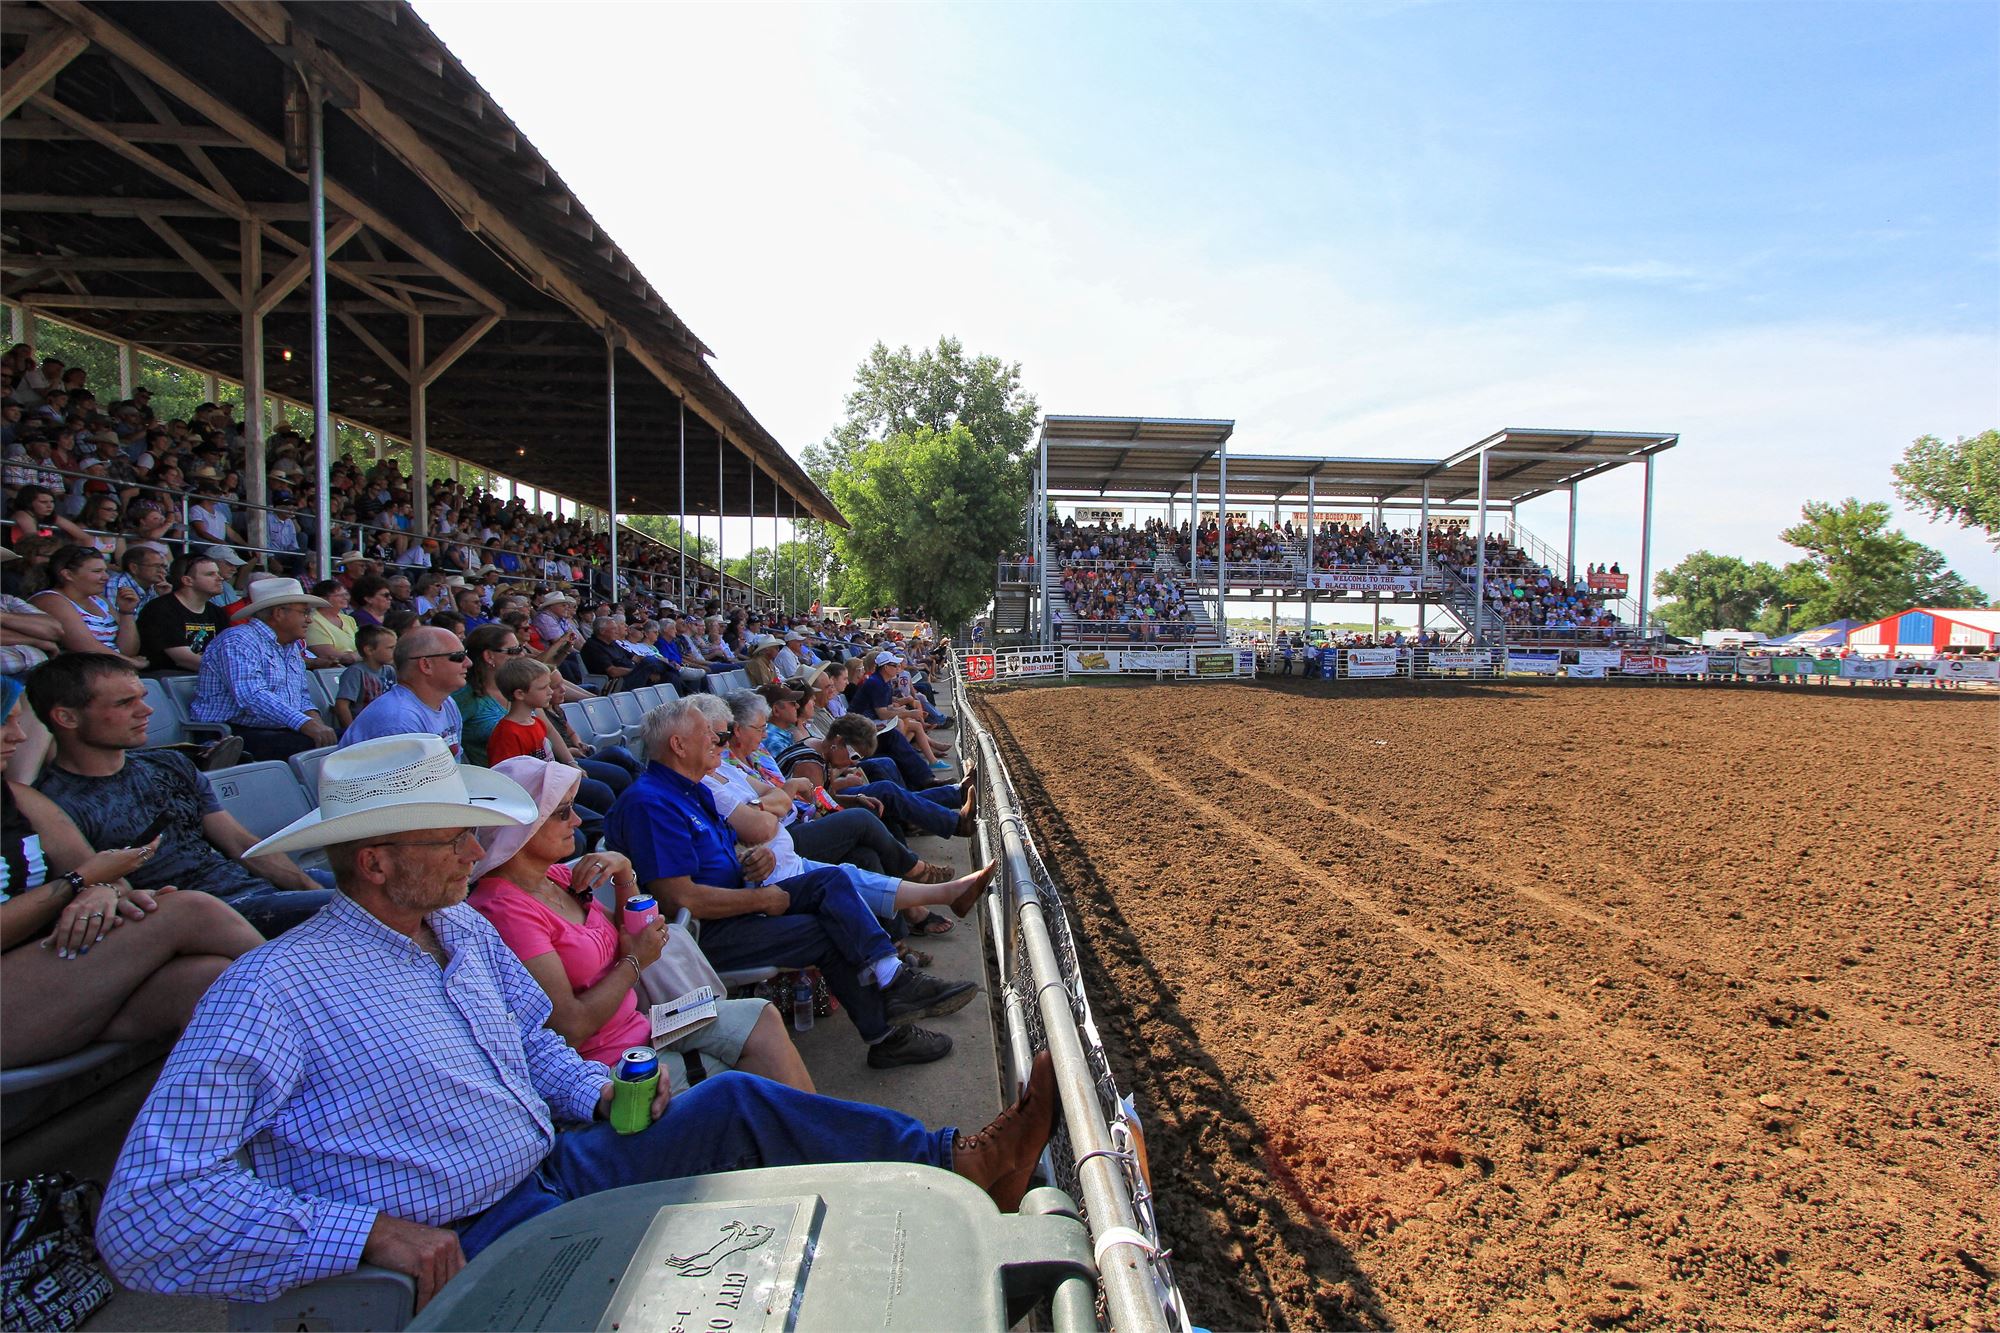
x: 1111, y: 580
x: 779, y: 816
x: 1520, y: 591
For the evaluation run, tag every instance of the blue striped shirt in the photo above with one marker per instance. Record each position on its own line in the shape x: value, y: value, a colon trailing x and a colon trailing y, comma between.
x: 249, y: 679
x: 359, y: 1077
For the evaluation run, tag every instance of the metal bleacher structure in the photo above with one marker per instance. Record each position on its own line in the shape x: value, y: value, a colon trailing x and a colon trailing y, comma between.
x: 1093, y: 467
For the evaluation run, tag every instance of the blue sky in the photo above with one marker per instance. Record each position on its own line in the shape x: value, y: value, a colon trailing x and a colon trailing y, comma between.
x: 1362, y: 228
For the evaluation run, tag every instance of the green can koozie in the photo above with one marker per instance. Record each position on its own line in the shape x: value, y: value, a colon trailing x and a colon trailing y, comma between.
x: 633, y: 1084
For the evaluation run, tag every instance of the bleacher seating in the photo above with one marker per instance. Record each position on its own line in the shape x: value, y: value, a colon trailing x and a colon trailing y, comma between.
x: 264, y: 797
x: 306, y: 766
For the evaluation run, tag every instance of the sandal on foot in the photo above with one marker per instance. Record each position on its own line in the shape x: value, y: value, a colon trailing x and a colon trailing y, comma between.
x: 934, y: 924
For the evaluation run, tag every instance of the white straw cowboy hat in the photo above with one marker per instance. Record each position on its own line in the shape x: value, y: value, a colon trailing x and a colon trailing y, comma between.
x: 400, y: 784
x: 551, y: 598
x: 266, y: 593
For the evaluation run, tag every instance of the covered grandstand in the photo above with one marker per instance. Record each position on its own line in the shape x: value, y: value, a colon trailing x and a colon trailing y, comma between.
x: 1185, y: 470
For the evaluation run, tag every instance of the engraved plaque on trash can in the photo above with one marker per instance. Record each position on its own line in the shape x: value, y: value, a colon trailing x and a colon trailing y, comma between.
x: 719, y: 1267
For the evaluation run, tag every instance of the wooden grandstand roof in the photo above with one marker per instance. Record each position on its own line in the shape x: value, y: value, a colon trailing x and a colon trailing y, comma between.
x: 144, y: 152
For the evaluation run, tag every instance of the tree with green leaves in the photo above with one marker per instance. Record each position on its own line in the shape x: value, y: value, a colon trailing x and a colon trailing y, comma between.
x: 1855, y: 566
x: 1958, y: 481
x: 929, y: 513
x: 899, y: 393
x: 667, y: 531
x: 1710, y: 591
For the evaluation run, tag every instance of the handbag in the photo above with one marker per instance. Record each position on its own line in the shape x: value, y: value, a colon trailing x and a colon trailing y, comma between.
x: 49, y: 1277
x: 680, y: 968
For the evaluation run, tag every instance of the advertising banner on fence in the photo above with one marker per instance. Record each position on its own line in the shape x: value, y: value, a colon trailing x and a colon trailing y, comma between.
x: 1601, y: 658
x: 1595, y: 671
x: 1753, y: 666
x: 1371, y: 661
x: 1329, y: 663
x: 1350, y: 581
x: 1450, y: 661
x: 1533, y: 664
x: 1688, y: 664
x: 1155, y: 659
x: 1214, y: 663
x: 1867, y: 668
x: 1032, y: 662
x: 1092, y: 661
x: 1721, y: 664
x: 1965, y: 668
x: 1640, y: 664
x: 979, y: 666
x: 1792, y: 666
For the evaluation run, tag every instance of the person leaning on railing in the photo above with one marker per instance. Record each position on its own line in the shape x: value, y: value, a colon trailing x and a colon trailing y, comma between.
x: 75, y: 597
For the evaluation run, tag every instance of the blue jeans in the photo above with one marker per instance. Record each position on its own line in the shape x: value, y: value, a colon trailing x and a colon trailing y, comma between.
x: 828, y: 927
x: 853, y: 837
x: 727, y: 1122
x: 912, y: 767
x: 934, y: 811
x: 274, y: 910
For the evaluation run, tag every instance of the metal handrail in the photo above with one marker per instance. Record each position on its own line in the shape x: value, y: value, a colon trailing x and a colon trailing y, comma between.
x: 1132, y: 1271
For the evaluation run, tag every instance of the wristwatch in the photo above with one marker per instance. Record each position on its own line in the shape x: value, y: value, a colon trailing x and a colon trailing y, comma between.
x: 76, y: 882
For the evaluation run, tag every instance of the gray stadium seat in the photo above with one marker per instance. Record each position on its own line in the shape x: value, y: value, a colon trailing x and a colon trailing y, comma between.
x: 369, y: 1297
x: 181, y: 690
x: 306, y: 768
x: 264, y: 797
x: 604, y: 721
x: 164, y: 726
x: 596, y: 682
x: 631, y: 711
x: 321, y: 683
x: 579, y: 721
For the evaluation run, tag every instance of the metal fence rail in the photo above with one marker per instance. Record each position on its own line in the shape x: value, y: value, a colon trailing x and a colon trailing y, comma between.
x: 1094, y: 1155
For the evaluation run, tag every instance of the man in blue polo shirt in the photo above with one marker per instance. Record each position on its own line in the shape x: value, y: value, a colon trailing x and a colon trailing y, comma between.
x: 685, y: 855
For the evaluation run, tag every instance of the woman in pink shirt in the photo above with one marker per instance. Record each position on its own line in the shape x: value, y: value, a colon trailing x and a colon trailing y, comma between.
x: 575, y: 951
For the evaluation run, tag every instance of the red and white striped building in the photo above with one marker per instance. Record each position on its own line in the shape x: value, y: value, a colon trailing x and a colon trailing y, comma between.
x: 1926, y: 632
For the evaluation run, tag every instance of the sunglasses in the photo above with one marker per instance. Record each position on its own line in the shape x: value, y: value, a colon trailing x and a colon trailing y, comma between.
x: 460, y: 656
x: 515, y: 651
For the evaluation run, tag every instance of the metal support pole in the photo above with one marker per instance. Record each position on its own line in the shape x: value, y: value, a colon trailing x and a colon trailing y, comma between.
x: 1312, y: 557
x: 721, y: 587
x: 611, y: 449
x: 420, y: 433
x: 1424, y: 559
x: 1479, y: 584
x: 1646, y: 550
x: 125, y: 379
x: 250, y: 337
x: 682, y: 597
x: 322, y: 387
x: 1042, y: 551
x: 750, y: 549
x: 1222, y: 541
x: 1569, y: 574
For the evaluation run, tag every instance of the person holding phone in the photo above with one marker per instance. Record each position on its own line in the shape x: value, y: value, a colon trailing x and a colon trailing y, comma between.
x: 76, y: 939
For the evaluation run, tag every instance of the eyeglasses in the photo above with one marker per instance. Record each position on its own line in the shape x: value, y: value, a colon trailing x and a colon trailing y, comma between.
x: 562, y: 812
x: 460, y: 656
x: 457, y: 844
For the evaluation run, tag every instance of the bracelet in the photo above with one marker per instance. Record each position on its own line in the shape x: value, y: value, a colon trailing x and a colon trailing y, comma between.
x: 633, y: 959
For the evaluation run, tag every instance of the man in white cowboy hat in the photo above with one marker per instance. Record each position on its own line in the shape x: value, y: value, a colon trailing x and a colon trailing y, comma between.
x: 253, y: 676
x: 388, y: 1070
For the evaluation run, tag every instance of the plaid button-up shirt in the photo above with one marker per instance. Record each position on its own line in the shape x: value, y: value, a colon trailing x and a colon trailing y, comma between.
x: 360, y: 1078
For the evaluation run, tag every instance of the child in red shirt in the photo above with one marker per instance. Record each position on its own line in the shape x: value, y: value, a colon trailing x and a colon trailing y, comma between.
x: 528, y: 686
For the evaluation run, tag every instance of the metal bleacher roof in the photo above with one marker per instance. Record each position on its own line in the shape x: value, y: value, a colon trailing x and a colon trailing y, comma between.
x: 1145, y: 456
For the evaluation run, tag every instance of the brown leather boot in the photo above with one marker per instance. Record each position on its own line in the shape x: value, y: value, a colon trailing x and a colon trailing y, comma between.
x: 968, y: 811
x: 923, y: 872
x: 1001, y: 1158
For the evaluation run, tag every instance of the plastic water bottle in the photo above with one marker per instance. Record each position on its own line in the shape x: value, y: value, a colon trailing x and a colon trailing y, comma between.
x: 802, y: 1002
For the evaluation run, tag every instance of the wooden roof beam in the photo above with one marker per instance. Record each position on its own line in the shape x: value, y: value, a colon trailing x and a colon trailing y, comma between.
x: 47, y: 55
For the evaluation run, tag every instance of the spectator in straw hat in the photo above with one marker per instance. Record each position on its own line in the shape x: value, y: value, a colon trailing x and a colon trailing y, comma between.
x: 389, y: 1069
x: 253, y: 676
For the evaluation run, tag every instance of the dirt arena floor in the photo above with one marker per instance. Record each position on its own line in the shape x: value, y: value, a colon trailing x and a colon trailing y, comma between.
x: 1539, y: 1008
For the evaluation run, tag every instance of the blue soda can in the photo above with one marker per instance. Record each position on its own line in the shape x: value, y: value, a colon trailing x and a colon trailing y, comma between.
x: 640, y: 912
x: 633, y: 1083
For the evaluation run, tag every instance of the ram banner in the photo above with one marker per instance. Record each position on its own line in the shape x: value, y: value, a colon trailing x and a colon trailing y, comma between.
x: 1533, y: 664
x: 1371, y: 661
x: 1032, y: 662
